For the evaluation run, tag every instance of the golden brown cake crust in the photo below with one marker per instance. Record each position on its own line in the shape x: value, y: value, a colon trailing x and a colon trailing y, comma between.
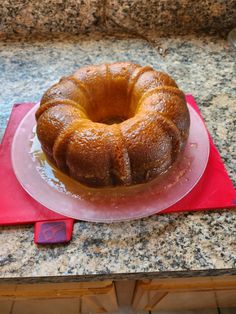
x: 113, y: 124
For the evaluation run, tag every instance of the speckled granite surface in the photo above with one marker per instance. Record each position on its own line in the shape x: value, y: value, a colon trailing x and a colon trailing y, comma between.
x: 170, y: 16
x: 77, y: 16
x: 176, y: 244
x: 30, y: 16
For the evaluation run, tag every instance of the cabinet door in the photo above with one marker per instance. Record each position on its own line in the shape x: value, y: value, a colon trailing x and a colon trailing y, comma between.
x: 193, y: 300
x: 85, y: 297
x: 226, y: 298
x: 185, y: 293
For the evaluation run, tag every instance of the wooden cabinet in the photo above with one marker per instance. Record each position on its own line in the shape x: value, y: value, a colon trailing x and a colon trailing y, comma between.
x: 87, y: 297
x: 185, y: 293
x: 104, y: 296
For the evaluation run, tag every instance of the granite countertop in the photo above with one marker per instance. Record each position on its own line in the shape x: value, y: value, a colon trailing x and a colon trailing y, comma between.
x: 162, y: 245
x: 76, y: 16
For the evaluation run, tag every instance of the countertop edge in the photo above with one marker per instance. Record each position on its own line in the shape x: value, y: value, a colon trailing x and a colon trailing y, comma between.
x: 121, y: 276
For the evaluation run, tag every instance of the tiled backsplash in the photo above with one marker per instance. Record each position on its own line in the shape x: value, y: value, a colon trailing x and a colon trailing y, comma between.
x: 77, y: 16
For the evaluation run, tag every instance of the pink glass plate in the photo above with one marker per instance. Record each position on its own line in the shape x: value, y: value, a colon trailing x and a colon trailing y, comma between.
x: 63, y: 195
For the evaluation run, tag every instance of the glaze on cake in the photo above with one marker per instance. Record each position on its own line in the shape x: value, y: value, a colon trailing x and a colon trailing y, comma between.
x: 113, y: 124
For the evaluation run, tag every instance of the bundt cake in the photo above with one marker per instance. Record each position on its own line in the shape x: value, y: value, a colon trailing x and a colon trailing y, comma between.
x: 113, y: 124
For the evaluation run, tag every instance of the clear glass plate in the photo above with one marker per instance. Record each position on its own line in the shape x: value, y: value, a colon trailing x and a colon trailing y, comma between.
x: 61, y: 194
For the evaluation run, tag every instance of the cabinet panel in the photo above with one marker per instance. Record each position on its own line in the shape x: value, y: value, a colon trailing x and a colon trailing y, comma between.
x: 187, y: 301
x: 90, y: 297
x: 5, y: 306
x: 57, y: 306
x: 54, y: 290
x: 226, y: 298
x: 185, y: 293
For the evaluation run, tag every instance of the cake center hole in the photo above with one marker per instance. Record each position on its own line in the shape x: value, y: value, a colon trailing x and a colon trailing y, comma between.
x: 112, y: 120
x: 110, y: 106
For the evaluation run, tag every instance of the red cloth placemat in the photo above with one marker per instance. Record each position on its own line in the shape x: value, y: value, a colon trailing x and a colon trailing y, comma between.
x: 214, y: 190
x: 17, y: 206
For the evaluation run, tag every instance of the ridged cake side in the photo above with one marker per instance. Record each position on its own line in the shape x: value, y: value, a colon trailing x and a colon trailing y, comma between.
x: 145, y: 144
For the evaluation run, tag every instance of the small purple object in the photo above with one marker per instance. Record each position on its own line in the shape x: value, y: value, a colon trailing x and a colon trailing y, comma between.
x: 47, y: 232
